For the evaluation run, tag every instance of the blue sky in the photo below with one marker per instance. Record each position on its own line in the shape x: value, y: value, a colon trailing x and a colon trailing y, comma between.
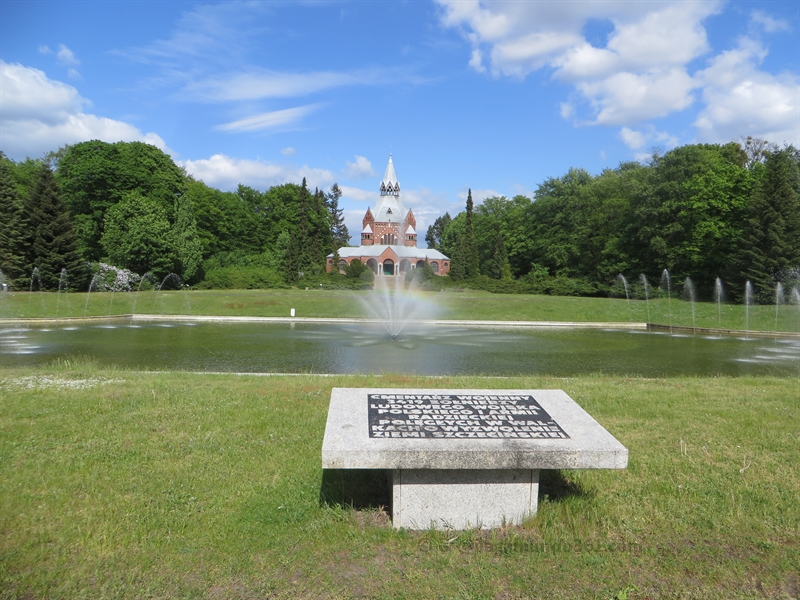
x: 490, y: 95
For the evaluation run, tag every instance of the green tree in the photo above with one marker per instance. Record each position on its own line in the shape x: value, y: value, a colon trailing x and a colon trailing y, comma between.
x: 472, y: 266
x: 12, y: 239
x: 340, y: 234
x: 137, y: 235
x: 187, y: 244
x: 689, y: 213
x: 96, y: 175
x: 55, y: 245
x: 433, y: 237
x: 225, y: 223
x: 501, y: 216
x: 355, y: 268
x: 771, y: 239
x: 499, y: 267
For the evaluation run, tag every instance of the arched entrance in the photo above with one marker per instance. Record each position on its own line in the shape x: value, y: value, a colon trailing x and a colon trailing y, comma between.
x: 373, y: 264
x: 388, y: 267
x: 405, y: 266
x: 435, y: 266
x: 420, y: 264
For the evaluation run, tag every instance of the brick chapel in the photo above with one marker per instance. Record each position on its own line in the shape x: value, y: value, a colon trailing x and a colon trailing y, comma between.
x: 389, y: 237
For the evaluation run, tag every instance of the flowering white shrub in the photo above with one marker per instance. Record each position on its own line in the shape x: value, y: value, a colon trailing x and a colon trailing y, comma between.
x: 113, y: 279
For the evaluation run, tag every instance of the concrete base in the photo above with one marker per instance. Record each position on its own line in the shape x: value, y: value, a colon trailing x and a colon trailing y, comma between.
x: 463, y: 498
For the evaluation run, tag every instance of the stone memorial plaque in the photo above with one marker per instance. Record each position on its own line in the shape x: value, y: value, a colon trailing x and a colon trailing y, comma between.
x: 460, y: 416
x: 464, y: 458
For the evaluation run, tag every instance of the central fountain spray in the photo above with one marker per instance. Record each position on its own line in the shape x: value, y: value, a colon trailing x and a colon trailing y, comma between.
x: 395, y: 305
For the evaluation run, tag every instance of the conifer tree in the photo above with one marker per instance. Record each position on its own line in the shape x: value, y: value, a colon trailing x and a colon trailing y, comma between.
x: 499, y: 266
x: 55, y: 244
x: 341, y: 237
x: 471, y: 259
x: 458, y: 261
x: 11, y: 234
x: 771, y: 238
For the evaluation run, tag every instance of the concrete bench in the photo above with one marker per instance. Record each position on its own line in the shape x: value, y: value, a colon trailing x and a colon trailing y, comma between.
x: 464, y: 458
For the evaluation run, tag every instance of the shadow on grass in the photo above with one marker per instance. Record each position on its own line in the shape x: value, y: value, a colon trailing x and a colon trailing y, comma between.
x: 555, y: 487
x: 357, y: 488
x: 370, y: 488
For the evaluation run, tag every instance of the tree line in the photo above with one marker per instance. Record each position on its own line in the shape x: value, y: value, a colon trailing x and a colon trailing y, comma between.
x: 128, y: 205
x: 701, y: 211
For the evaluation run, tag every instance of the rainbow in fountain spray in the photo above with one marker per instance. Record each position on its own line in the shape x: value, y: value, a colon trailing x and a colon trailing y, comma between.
x: 395, y: 305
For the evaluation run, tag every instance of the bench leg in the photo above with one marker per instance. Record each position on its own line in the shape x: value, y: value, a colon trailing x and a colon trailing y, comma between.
x: 463, y: 499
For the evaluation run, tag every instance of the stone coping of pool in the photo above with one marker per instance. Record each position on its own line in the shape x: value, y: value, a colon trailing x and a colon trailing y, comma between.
x: 321, y: 320
x: 440, y: 322
x: 379, y: 428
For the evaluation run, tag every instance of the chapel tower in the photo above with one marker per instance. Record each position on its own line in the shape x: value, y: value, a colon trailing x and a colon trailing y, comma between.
x: 391, y: 224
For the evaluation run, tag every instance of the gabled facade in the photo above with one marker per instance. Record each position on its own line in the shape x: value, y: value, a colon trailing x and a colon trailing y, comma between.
x: 389, y: 236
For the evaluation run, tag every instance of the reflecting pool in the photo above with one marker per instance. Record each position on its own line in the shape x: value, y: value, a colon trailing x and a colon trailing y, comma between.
x: 363, y: 348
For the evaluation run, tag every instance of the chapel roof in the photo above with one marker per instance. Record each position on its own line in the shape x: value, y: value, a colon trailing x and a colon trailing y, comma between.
x: 390, y: 208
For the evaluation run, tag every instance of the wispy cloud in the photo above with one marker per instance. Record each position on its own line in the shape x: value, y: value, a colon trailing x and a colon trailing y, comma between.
x: 267, y: 120
x: 210, y: 32
x: 67, y: 57
x: 768, y: 23
x: 259, y: 84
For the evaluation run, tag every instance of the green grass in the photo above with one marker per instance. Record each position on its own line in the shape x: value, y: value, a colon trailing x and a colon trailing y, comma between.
x: 201, y: 486
x: 453, y: 305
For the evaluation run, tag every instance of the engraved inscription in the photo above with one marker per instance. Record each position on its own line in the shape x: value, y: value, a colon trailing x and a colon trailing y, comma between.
x: 460, y: 416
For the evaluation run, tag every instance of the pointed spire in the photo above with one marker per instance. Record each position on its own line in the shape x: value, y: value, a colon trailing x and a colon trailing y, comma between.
x: 390, y: 186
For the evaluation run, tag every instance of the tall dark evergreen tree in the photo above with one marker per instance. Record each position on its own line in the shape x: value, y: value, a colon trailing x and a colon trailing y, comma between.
x: 11, y: 234
x: 771, y: 237
x: 472, y: 264
x: 341, y: 237
x: 55, y: 244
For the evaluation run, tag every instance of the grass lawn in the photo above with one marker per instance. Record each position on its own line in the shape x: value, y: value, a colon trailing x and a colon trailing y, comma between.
x: 124, y: 484
x: 452, y: 305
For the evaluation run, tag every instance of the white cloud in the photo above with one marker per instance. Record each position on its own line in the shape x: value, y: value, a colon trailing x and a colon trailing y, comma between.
x: 359, y: 169
x: 67, y: 57
x: 44, y: 49
x: 478, y: 196
x: 476, y: 62
x: 767, y: 23
x: 632, y: 139
x: 288, y: 151
x: 635, y: 140
x: 631, y: 97
x: 641, y: 73
x: 41, y: 114
x: 226, y: 173
x: 359, y: 195
x: 276, y: 118
x: 742, y: 100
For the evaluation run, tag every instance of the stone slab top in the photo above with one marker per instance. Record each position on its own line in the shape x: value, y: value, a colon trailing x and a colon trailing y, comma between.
x: 379, y: 428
